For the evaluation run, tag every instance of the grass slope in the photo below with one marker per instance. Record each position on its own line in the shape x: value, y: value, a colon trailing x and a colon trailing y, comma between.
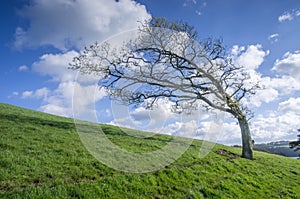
x: 41, y: 156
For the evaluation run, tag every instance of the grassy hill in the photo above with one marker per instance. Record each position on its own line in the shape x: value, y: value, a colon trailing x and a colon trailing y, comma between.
x: 41, y: 156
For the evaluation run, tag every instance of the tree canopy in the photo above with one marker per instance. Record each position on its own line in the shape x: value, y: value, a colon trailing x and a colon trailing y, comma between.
x: 169, y: 60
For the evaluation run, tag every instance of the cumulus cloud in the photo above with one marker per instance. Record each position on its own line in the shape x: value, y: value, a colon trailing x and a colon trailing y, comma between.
x: 230, y: 133
x: 275, y: 125
x: 285, y: 17
x: 56, y: 110
x: 184, y: 129
x: 37, y: 94
x: 272, y: 89
x: 60, y: 100
x: 140, y: 117
x: 154, y: 119
x: 289, y: 65
x: 84, y: 99
x: 285, y: 85
x: 68, y: 24
x: 161, y: 119
x: 250, y: 57
x: 266, y: 95
x: 289, y: 16
x: 23, y: 68
x: 279, y: 124
x: 56, y: 66
x: 290, y: 105
x: 27, y: 94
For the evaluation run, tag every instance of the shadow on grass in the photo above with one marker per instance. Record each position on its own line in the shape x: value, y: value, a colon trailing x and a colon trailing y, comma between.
x: 37, y: 121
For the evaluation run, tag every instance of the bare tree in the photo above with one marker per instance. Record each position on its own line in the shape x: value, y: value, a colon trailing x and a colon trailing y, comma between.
x: 168, y: 60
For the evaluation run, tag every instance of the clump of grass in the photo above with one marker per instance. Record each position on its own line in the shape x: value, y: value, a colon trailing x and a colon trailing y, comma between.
x: 41, y: 156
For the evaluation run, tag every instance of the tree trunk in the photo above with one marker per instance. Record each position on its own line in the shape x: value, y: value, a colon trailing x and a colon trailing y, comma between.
x: 247, y: 145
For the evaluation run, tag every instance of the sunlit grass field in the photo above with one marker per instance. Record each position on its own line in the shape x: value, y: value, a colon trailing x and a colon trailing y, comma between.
x: 41, y: 156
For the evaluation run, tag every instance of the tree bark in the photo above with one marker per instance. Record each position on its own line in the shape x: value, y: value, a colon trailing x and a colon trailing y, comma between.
x: 247, y: 146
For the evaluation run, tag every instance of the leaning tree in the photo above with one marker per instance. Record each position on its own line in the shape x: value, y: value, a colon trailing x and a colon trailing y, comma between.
x: 168, y: 60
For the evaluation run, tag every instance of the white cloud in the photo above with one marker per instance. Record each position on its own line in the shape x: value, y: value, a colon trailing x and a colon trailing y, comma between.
x: 160, y: 119
x: 56, y: 110
x: 142, y: 118
x: 41, y: 93
x: 230, y: 133
x: 273, y: 38
x: 56, y: 66
x: 285, y: 85
x: 162, y: 110
x: 289, y: 65
x: 184, y: 129
x: 250, y: 57
x: 236, y: 50
x: 37, y: 94
x: 15, y: 93
x: 84, y: 99
x: 289, y: 16
x: 272, y: 89
x: 27, y: 94
x: 188, y: 2
x: 291, y: 105
x: 285, y: 17
x: 279, y: 124
x: 266, y: 95
x: 23, y: 68
x: 59, y: 101
x: 68, y: 24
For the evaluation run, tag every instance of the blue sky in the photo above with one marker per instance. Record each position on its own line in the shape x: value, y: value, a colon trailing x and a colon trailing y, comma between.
x: 40, y: 37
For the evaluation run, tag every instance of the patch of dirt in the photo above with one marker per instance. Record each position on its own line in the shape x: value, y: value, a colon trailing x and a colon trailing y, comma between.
x: 228, y: 154
x: 36, y: 183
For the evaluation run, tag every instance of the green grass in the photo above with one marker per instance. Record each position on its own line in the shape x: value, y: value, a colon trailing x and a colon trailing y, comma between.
x: 41, y: 156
